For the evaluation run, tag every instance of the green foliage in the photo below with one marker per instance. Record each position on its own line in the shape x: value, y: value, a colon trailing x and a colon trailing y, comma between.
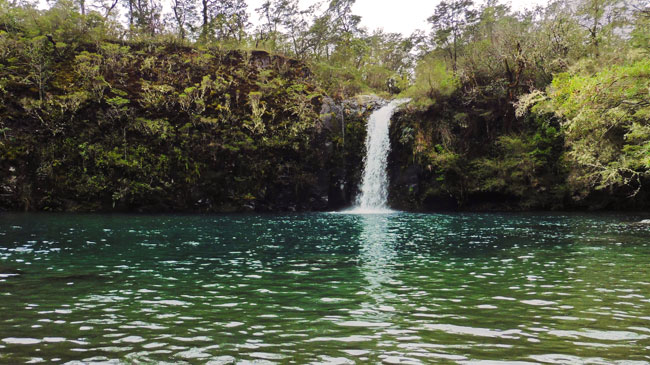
x: 432, y: 82
x: 449, y: 21
x: 533, y: 107
x: 107, y: 125
x: 524, y: 166
x: 606, y: 120
x: 641, y: 32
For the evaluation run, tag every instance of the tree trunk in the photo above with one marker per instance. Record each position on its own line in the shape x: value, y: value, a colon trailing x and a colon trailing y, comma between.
x: 110, y: 8
x: 455, y: 53
x: 204, y: 26
x: 179, y: 21
x: 131, y: 13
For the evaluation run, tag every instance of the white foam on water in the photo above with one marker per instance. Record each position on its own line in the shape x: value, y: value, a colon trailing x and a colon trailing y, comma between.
x: 373, y: 196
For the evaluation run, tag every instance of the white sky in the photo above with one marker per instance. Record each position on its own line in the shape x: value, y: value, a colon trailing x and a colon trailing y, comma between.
x: 395, y: 16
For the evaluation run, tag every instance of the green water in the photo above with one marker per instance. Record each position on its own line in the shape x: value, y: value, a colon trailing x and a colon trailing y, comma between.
x: 324, y: 288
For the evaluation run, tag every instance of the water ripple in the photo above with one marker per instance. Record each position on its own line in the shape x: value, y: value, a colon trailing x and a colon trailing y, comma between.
x: 324, y: 288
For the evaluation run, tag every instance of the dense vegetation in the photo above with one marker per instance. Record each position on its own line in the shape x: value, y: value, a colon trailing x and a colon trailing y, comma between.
x: 117, y: 105
x: 544, y: 110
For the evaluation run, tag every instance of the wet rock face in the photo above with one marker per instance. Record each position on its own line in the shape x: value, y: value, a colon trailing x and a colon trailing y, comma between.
x: 343, y: 133
x: 189, y: 129
x: 264, y: 60
x: 404, y: 184
x: 334, y: 113
x: 367, y: 101
x: 261, y: 59
x: 330, y: 115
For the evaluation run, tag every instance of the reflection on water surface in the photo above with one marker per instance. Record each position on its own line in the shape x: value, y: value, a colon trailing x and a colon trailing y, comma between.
x: 324, y: 288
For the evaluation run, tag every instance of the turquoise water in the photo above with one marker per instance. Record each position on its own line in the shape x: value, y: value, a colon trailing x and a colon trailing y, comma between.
x: 324, y: 288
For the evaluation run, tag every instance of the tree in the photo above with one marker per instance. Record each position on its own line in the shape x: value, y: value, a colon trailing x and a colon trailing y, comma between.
x: 337, y: 26
x: 183, y: 13
x: 494, y: 38
x: 319, y: 35
x: 296, y: 24
x: 432, y: 81
x: 388, y: 59
x: 145, y: 15
x: 599, y: 17
x: 641, y: 32
x: 343, y: 21
x: 107, y: 6
x: 449, y: 21
x: 38, y: 58
x: 223, y: 19
x: 82, y: 6
x: 272, y: 14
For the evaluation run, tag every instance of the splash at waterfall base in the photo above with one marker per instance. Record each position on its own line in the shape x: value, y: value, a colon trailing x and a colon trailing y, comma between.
x: 373, y: 195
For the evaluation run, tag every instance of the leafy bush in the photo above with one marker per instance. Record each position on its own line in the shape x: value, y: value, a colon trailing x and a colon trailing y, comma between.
x: 432, y: 81
x: 607, y: 121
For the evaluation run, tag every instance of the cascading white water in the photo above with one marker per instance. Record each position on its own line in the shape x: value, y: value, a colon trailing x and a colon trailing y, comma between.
x: 374, y: 184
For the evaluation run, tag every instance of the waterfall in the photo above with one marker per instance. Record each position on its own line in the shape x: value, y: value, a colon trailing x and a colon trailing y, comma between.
x: 374, y: 184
